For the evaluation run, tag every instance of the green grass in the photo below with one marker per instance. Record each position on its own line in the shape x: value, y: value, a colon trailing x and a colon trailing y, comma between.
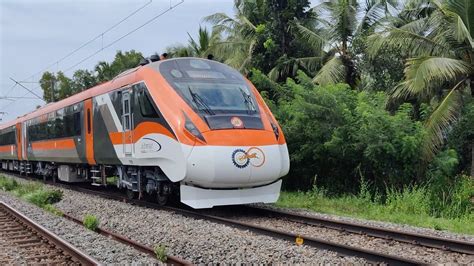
x: 33, y: 192
x: 91, y: 222
x: 160, y: 252
x: 407, y: 207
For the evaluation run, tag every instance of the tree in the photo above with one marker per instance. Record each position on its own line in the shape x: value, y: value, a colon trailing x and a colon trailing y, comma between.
x: 58, y: 86
x: 83, y: 80
x: 338, y: 29
x: 439, y: 40
x: 47, y: 83
x: 122, y: 62
x: 260, y: 35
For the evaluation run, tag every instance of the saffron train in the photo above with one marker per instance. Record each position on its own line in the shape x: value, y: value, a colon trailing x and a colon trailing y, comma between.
x: 188, y: 127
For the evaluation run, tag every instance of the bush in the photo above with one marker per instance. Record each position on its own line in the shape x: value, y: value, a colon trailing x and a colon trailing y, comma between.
x: 91, y: 222
x: 413, y: 200
x: 42, y: 197
x: 8, y: 184
x: 341, y: 135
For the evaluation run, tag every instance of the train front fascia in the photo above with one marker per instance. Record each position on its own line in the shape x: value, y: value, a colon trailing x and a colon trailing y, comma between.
x: 236, y: 157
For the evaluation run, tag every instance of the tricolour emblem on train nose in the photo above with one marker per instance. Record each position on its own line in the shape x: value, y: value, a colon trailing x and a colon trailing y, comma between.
x: 253, y: 156
x: 237, y: 122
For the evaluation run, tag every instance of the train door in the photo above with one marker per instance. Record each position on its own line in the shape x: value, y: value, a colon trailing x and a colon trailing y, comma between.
x: 127, y: 116
x: 19, y: 149
x: 89, y: 131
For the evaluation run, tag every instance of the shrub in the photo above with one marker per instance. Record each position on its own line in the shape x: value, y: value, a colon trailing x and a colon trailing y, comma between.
x: 8, y: 184
x: 91, y: 222
x: 410, y: 200
x: 340, y: 134
x: 160, y: 252
x: 27, y: 188
x: 42, y: 197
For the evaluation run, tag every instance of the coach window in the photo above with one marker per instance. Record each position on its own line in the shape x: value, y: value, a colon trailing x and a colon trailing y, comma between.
x: 147, y: 108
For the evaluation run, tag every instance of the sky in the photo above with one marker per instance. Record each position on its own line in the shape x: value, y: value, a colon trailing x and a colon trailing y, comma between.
x: 36, y: 34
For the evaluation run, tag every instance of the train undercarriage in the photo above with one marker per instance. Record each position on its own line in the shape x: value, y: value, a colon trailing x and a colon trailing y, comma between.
x: 137, y: 181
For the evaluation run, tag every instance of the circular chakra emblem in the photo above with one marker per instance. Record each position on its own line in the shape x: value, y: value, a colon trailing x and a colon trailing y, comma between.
x: 236, y: 122
x: 240, y: 159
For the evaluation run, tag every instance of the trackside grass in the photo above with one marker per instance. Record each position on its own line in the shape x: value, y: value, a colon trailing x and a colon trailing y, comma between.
x: 33, y: 192
x: 409, y: 207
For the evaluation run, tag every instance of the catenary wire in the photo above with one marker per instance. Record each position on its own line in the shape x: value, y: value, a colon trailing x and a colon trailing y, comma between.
x: 108, y: 45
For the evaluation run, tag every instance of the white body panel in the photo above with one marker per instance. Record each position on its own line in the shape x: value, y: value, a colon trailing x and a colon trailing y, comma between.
x: 219, y: 166
x: 158, y: 150
x: 200, y: 198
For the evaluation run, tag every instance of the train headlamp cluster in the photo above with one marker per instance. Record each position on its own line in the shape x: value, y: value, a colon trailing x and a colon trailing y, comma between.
x: 275, y: 130
x: 191, y: 128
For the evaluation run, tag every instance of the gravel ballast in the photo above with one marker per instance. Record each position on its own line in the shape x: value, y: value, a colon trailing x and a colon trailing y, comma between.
x: 395, y: 248
x: 201, y: 241
x: 104, y: 250
x: 387, y: 225
x: 195, y: 240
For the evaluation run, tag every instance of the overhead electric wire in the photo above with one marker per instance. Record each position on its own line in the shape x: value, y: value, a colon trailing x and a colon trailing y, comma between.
x: 80, y: 47
x: 32, y: 92
x: 125, y: 35
x: 102, y: 48
x: 93, y: 39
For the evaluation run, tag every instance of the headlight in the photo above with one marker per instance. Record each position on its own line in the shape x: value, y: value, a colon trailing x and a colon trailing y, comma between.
x: 275, y: 130
x: 191, y: 128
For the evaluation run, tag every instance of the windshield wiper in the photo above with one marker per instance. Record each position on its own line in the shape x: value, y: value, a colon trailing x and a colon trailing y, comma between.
x: 199, y: 101
x: 248, y: 101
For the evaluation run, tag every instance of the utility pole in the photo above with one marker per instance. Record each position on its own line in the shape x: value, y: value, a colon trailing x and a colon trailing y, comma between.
x: 52, y: 90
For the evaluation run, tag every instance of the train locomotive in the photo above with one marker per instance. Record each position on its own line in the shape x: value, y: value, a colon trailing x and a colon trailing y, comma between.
x: 188, y: 127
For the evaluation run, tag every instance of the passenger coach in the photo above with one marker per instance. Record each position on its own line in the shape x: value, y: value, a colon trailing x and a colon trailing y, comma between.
x: 189, y: 127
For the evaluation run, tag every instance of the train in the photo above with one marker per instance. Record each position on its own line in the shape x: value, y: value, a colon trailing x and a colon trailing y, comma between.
x: 189, y: 128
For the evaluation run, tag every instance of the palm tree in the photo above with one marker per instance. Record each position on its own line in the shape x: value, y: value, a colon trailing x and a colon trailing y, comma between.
x: 335, y: 32
x: 438, y: 38
x: 241, y: 37
x: 260, y: 35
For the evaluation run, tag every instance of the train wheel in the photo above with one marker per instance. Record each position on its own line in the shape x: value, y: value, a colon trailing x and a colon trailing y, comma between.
x: 161, y: 198
x: 131, y: 194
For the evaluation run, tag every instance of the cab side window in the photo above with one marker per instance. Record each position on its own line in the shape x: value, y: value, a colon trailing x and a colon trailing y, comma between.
x: 147, y: 109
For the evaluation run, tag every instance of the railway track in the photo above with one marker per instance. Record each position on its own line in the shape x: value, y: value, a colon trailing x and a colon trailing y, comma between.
x: 372, y: 256
x: 23, y: 241
x: 463, y: 247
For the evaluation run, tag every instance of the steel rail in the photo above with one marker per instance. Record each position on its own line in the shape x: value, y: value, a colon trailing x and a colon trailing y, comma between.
x: 459, y: 246
x: 75, y: 253
x: 172, y: 260
x: 369, y: 255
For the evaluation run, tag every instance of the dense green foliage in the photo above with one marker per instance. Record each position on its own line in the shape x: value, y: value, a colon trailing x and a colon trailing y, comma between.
x: 332, y: 129
x: 58, y: 86
x: 377, y: 90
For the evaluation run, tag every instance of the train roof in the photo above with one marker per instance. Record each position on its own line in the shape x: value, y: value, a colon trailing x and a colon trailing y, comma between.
x: 122, y: 79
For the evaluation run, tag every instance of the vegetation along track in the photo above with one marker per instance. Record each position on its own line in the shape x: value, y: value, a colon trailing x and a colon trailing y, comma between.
x: 342, y: 249
x: 463, y: 247
x: 26, y: 242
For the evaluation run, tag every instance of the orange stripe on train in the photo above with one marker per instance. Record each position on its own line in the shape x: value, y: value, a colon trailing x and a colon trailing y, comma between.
x: 7, y: 148
x: 141, y: 130
x: 60, y: 144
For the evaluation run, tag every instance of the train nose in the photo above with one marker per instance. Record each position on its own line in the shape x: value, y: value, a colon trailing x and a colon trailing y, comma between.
x: 236, y: 166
